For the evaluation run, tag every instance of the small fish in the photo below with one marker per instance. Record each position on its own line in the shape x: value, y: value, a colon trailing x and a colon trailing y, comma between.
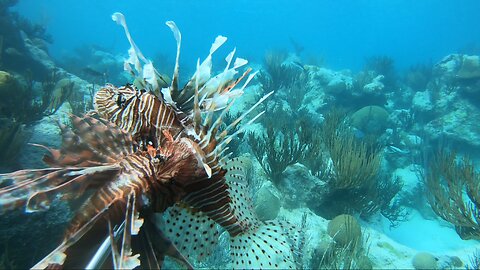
x: 393, y: 149
x: 13, y: 52
x: 92, y: 72
x: 299, y: 65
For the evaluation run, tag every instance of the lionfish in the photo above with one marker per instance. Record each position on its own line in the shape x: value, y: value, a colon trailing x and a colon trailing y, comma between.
x: 153, y: 174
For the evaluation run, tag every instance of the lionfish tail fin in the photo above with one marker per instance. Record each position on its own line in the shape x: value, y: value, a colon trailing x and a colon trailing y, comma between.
x: 259, y: 244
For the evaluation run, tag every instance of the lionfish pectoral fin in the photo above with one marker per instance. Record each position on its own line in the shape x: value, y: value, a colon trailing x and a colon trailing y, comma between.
x: 105, y: 250
x: 267, y: 245
x: 260, y: 244
x: 160, y: 245
x: 73, y: 188
x: 187, y: 229
x: 113, y: 245
x: 36, y: 189
x: 54, y: 153
x: 21, y: 186
x: 125, y: 259
x: 56, y: 257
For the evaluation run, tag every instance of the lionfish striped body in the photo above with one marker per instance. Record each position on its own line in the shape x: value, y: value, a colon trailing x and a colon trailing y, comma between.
x: 139, y: 154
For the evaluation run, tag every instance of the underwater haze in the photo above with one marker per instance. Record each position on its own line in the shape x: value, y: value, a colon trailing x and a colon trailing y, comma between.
x: 344, y: 33
x: 185, y: 134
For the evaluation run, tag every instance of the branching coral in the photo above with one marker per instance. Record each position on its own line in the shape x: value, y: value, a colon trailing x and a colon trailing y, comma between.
x: 315, y: 158
x: 296, y: 90
x: 454, y: 193
x: 474, y: 261
x: 418, y: 76
x: 285, y: 141
x: 356, y: 163
x: 284, y: 77
x: 78, y: 103
x: 61, y: 92
x: 276, y: 74
x: 353, y: 172
x: 383, y: 65
x: 25, y: 105
x: 390, y: 208
x: 278, y: 149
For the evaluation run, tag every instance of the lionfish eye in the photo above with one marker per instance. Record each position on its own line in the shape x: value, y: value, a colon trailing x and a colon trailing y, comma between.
x: 120, y: 100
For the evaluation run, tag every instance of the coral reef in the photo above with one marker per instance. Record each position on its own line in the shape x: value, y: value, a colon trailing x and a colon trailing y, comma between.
x: 370, y: 119
x: 474, y: 261
x: 95, y: 64
x: 24, y: 43
x: 348, y: 250
x: 35, y: 86
x: 470, y: 67
x: 344, y: 229
x: 385, y: 66
x: 277, y: 149
x: 267, y: 205
x: 448, y: 106
x: 447, y: 181
x: 424, y: 260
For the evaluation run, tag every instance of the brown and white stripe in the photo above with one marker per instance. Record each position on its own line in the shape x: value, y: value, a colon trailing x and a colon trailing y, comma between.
x: 140, y: 113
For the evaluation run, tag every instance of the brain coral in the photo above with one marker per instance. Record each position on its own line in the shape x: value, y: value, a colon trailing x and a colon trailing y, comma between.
x: 370, y: 119
x: 424, y: 260
x: 344, y: 229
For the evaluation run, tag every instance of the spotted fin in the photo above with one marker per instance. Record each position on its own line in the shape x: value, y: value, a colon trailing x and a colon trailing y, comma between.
x: 261, y: 245
x: 192, y: 232
x: 266, y: 247
x: 223, y: 201
x: 156, y: 245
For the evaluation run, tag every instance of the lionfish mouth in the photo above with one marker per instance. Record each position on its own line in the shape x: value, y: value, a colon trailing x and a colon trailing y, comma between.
x: 145, y: 152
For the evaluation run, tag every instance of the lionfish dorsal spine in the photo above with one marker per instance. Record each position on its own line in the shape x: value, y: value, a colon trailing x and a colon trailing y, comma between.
x: 135, y: 55
x: 175, y: 79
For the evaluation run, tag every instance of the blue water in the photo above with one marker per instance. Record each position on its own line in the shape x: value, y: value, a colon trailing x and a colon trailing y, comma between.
x: 341, y: 32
